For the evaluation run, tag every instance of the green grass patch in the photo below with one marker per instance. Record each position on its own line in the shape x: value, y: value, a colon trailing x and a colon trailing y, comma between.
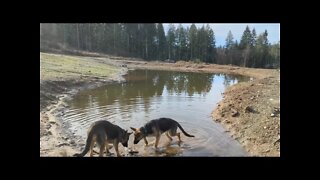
x: 62, y: 67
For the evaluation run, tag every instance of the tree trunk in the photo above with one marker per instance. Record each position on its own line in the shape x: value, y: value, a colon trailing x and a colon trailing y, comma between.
x: 147, y: 47
x: 78, y: 36
x: 64, y: 36
x: 41, y: 30
x: 128, y: 44
x: 169, y: 52
x: 191, y: 51
x: 114, y: 38
x: 90, y: 38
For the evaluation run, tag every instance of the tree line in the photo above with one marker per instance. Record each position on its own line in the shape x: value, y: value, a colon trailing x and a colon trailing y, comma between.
x: 150, y: 42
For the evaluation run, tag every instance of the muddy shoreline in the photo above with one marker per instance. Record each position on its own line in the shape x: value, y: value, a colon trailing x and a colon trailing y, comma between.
x: 55, y: 140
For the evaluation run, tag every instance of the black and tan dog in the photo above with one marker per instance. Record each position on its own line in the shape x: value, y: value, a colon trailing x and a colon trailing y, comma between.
x: 104, y: 132
x: 156, y: 127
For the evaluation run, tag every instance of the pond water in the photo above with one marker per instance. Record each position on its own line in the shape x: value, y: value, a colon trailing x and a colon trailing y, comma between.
x: 186, y: 97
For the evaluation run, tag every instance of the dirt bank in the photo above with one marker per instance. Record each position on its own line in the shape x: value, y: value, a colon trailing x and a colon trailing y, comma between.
x: 249, y: 110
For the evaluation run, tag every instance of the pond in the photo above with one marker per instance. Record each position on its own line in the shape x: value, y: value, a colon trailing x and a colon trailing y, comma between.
x: 186, y: 97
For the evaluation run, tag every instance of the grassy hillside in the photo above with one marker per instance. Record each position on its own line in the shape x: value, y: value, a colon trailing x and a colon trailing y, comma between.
x: 63, y: 67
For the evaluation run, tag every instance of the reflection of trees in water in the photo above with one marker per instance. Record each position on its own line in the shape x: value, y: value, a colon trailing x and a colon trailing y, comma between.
x: 231, y: 79
x: 228, y: 80
x: 141, y: 85
x: 190, y: 83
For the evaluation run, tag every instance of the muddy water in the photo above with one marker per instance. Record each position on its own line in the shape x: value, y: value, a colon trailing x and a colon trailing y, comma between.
x: 186, y: 97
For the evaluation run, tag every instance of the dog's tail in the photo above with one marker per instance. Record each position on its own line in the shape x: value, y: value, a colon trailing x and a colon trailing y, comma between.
x: 87, y: 147
x: 184, y: 132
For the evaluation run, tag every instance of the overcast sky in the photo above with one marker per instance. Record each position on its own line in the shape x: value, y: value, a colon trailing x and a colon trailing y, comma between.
x: 221, y: 30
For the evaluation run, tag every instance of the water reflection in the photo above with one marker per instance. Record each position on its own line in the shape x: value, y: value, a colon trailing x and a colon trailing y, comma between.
x: 186, y: 97
x: 141, y: 85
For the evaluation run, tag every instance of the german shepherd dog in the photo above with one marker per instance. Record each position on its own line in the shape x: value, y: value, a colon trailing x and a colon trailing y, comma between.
x: 103, y: 133
x: 155, y: 128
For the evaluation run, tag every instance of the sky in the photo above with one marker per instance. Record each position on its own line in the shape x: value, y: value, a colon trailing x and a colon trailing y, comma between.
x: 221, y: 30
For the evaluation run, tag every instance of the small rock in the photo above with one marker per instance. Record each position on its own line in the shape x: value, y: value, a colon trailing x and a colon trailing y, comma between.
x: 265, y: 127
x: 268, y: 150
x: 252, y: 98
x: 52, y: 122
x: 62, y: 144
x: 72, y: 142
x: 249, y: 109
x: 48, y: 126
x: 234, y: 113
x: 276, y: 110
x: 272, y: 115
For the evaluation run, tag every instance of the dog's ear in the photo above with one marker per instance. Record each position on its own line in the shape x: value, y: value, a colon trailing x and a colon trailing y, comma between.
x: 134, y: 129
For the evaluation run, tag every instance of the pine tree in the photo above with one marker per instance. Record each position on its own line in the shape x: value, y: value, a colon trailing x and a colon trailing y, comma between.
x: 162, y: 45
x: 275, y: 55
x: 253, y: 37
x: 262, y: 50
x: 245, y: 42
x: 230, y: 44
x: 246, y: 38
x: 211, y: 46
x: 229, y: 40
x: 171, y: 41
x: 181, y: 42
x: 193, y: 41
x: 202, y: 43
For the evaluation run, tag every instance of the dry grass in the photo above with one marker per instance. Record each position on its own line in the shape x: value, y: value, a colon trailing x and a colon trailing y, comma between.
x: 63, y: 67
